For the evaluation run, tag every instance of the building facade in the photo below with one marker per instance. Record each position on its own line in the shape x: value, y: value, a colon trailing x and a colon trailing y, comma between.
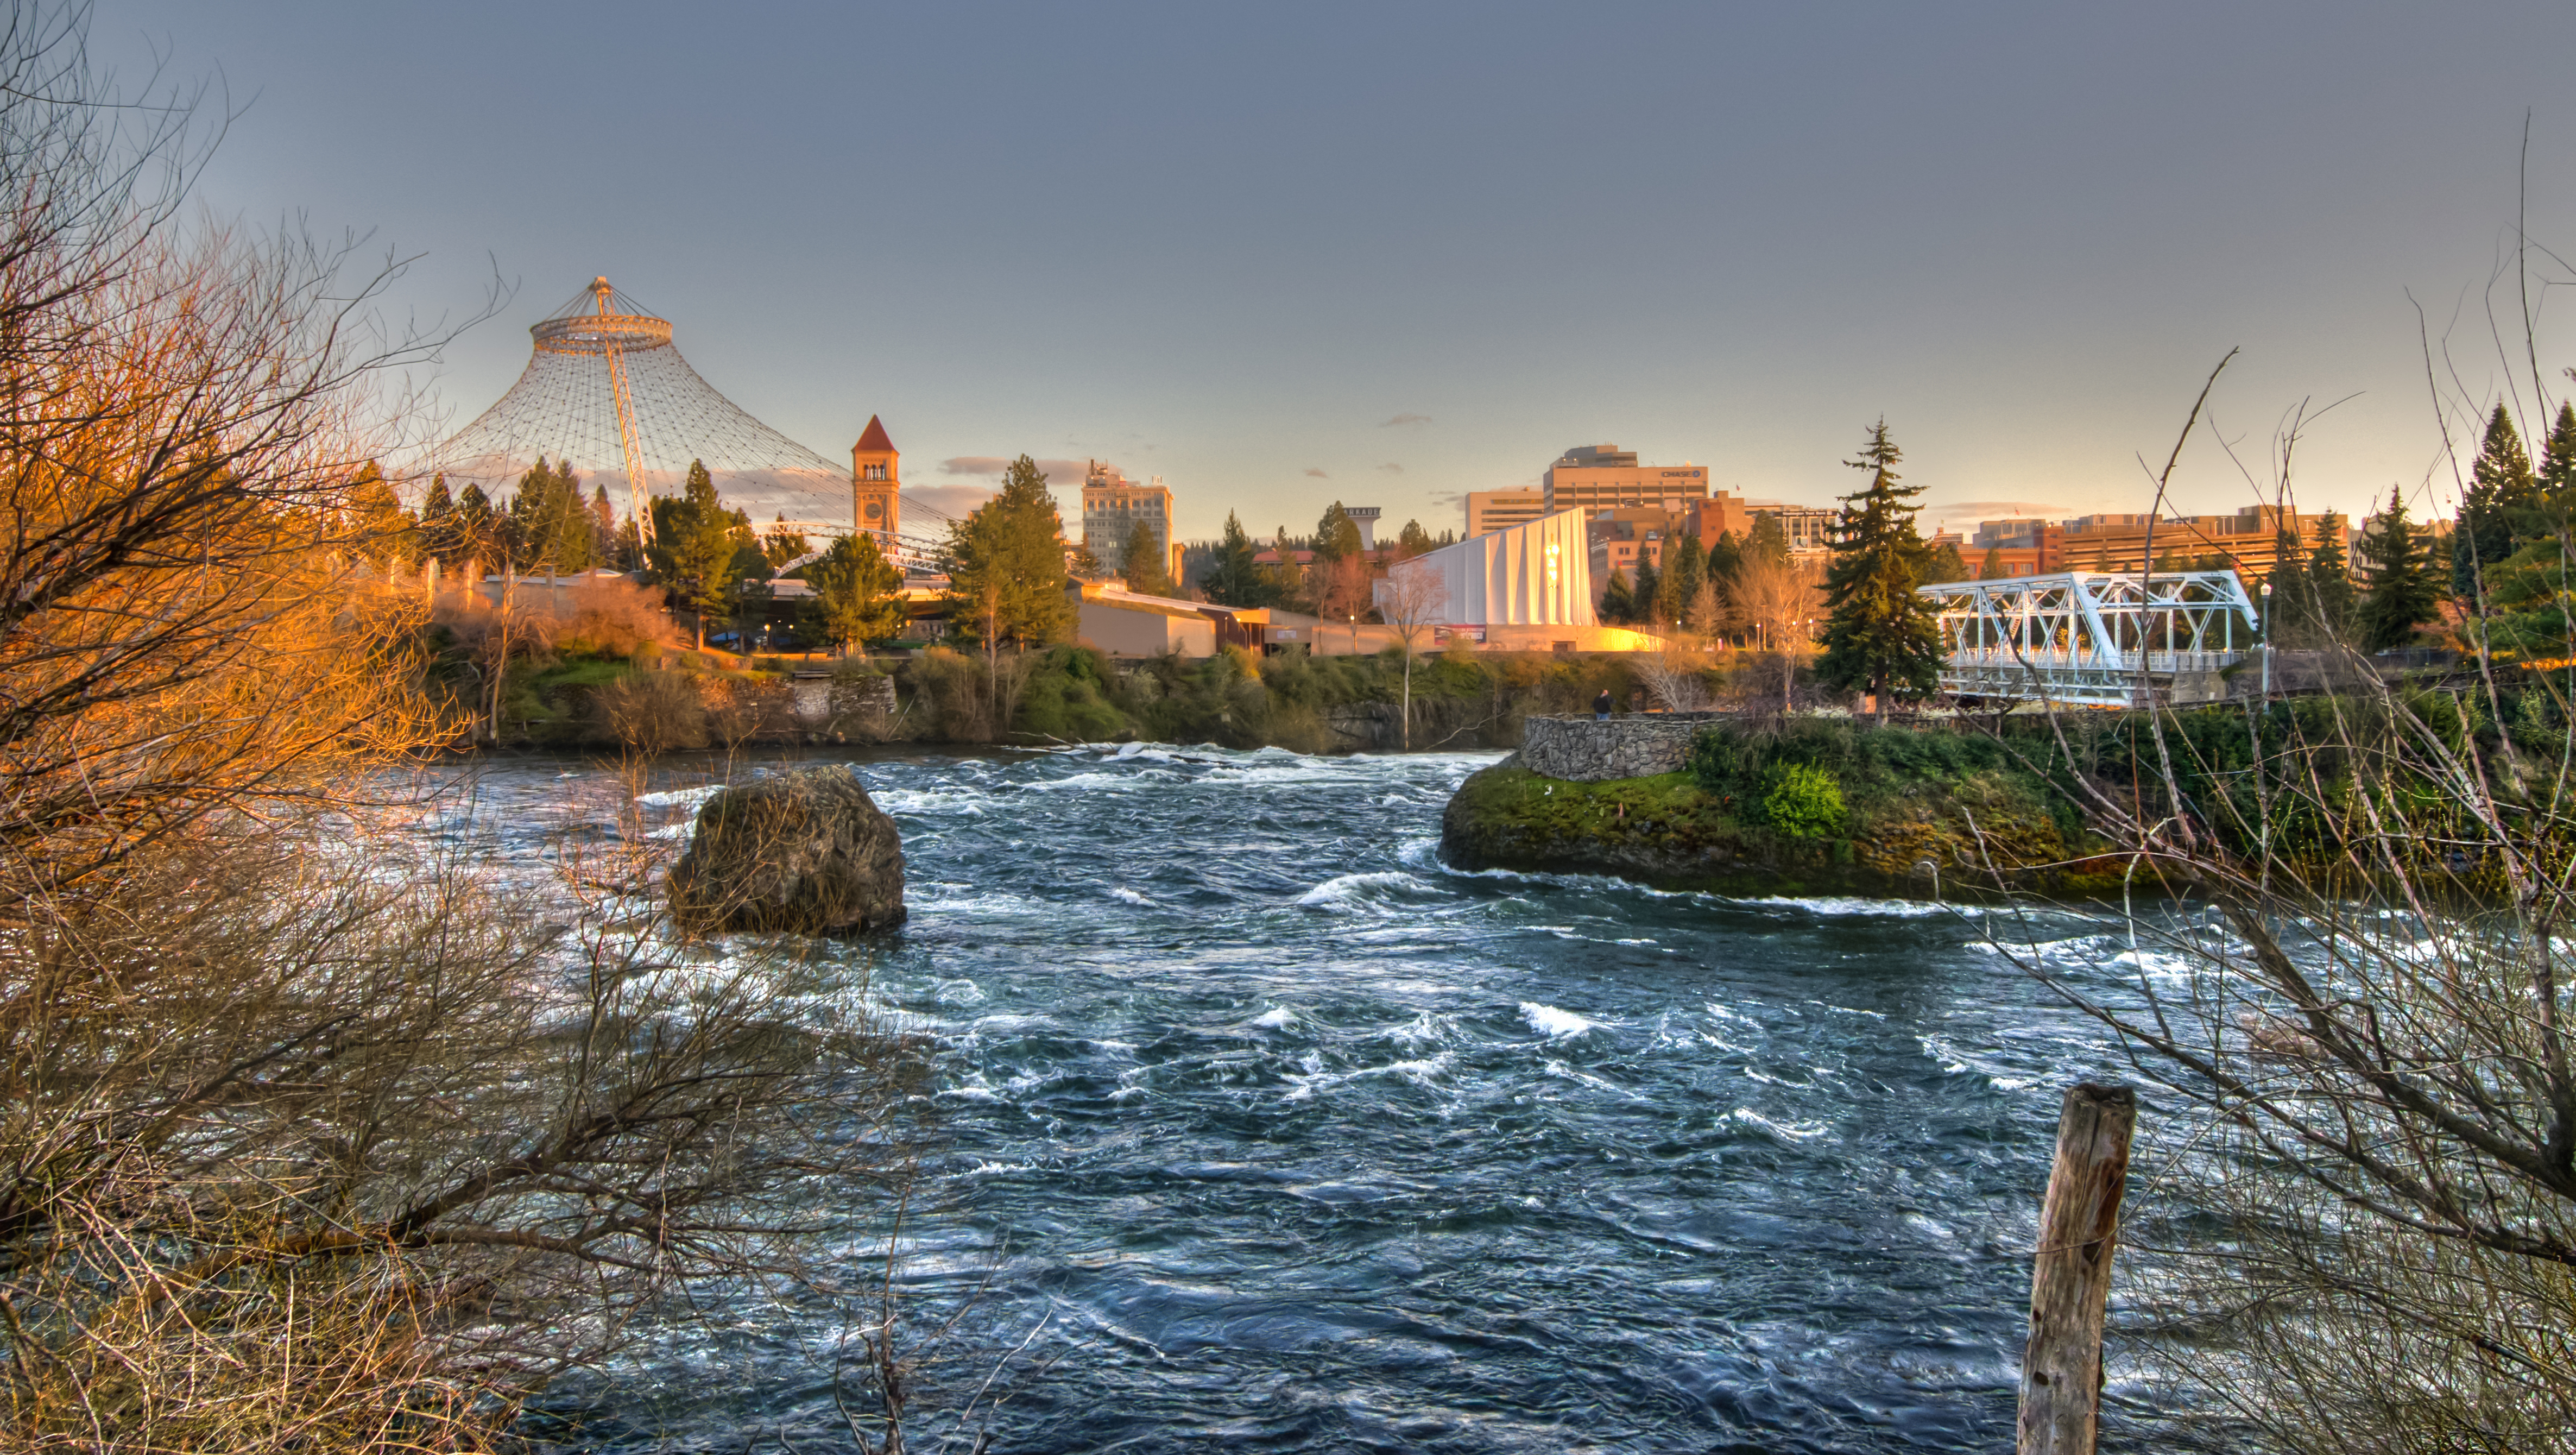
x: 1594, y: 478
x: 876, y: 485
x: 1112, y: 505
x: 1537, y: 574
x: 1493, y: 510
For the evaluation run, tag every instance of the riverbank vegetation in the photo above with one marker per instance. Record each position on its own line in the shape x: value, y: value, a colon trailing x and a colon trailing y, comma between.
x: 313, y: 1134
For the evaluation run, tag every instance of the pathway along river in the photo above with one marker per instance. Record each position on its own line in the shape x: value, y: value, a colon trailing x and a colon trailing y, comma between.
x: 1303, y: 1141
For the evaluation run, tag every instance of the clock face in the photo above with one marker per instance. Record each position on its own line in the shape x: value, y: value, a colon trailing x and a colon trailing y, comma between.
x: 876, y: 510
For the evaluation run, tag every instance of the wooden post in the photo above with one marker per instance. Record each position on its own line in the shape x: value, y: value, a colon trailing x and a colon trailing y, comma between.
x: 2070, y: 1278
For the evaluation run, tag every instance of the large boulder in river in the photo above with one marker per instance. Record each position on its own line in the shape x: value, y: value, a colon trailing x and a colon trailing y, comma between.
x: 805, y: 851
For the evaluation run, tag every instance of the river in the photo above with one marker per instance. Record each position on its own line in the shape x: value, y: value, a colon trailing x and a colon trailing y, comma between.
x: 1280, y: 1135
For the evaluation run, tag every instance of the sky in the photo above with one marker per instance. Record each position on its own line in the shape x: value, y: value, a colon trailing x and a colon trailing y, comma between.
x: 1386, y: 254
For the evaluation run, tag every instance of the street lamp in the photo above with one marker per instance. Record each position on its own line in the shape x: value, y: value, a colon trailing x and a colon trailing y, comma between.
x: 1355, y: 633
x: 2267, y: 641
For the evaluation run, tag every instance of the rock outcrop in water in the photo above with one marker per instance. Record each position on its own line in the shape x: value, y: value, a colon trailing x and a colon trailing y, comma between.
x: 807, y: 852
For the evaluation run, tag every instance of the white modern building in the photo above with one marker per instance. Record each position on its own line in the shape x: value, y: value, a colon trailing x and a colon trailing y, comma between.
x: 1539, y: 574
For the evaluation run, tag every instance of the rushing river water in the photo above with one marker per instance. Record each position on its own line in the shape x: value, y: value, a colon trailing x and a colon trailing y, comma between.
x: 1297, y: 1139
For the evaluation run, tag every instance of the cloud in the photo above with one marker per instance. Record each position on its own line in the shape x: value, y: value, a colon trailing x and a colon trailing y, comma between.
x: 953, y: 501
x: 1317, y: 474
x: 1392, y: 468
x: 1059, y: 473
x: 1402, y: 420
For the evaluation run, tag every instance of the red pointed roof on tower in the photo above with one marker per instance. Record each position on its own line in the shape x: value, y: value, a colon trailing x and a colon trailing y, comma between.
x: 875, y: 437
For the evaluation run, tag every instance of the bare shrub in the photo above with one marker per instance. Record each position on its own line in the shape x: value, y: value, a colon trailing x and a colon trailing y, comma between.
x: 1679, y: 681
x: 652, y: 712
x: 975, y: 700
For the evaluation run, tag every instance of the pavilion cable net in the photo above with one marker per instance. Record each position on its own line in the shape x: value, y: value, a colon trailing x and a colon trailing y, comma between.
x: 607, y: 393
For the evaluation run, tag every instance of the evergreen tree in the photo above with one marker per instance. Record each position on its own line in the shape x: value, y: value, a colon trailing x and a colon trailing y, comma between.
x: 386, y: 532
x: 2326, y: 603
x: 2282, y: 612
x: 1768, y: 540
x: 438, y: 520
x: 1993, y: 565
x: 1337, y: 536
x: 1006, y: 565
x: 1140, y: 561
x: 1235, y: 579
x: 549, y: 525
x: 856, y: 596
x: 476, y: 530
x: 605, y: 547
x: 695, y: 541
x: 1879, y: 635
x: 1685, y: 570
x: 1412, y: 541
x: 1642, y: 593
x: 1945, y: 564
x: 1725, y: 557
x: 1618, y: 605
x: 2403, y: 590
x: 2499, y: 504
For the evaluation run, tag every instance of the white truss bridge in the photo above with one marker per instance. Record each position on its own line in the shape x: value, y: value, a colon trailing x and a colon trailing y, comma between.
x: 2092, y: 638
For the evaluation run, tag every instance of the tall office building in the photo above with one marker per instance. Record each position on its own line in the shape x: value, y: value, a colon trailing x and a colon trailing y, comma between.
x: 1492, y: 510
x: 1594, y: 478
x: 1112, y: 504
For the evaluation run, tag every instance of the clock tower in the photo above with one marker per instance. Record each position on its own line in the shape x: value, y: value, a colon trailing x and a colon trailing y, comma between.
x: 876, y: 474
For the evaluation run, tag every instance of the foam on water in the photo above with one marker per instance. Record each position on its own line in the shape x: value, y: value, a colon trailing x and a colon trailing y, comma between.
x: 1555, y: 1024
x: 1346, y: 890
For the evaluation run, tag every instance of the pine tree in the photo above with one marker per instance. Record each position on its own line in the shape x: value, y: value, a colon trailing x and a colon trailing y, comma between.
x: 1880, y: 636
x: 2499, y: 504
x: 1725, y: 558
x: 438, y: 520
x: 1642, y: 593
x: 1945, y: 564
x: 855, y: 598
x: 386, y: 532
x: 476, y: 530
x: 1618, y: 605
x: 1412, y: 541
x: 1685, y: 570
x: 1768, y: 540
x: 1006, y: 568
x: 2402, y: 593
x: 1337, y: 536
x: 2326, y: 603
x: 1140, y: 562
x: 1993, y: 565
x: 1236, y: 579
x: 695, y: 540
x: 605, y: 548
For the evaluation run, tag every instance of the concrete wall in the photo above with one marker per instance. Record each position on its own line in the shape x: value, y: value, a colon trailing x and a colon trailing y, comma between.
x: 1584, y: 751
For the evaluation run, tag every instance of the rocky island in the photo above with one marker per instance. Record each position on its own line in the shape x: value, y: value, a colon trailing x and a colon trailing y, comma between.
x: 1802, y: 807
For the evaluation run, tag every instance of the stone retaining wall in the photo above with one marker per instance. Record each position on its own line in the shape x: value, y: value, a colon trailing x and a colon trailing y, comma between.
x: 1586, y: 751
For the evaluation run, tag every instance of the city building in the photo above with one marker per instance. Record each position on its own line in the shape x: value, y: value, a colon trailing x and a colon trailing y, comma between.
x: 1131, y: 624
x: 1523, y: 588
x: 1810, y: 528
x: 1493, y: 510
x: 2018, y: 547
x: 1618, y: 541
x: 1594, y: 478
x: 2248, y: 541
x: 1112, y: 504
x: 876, y: 485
